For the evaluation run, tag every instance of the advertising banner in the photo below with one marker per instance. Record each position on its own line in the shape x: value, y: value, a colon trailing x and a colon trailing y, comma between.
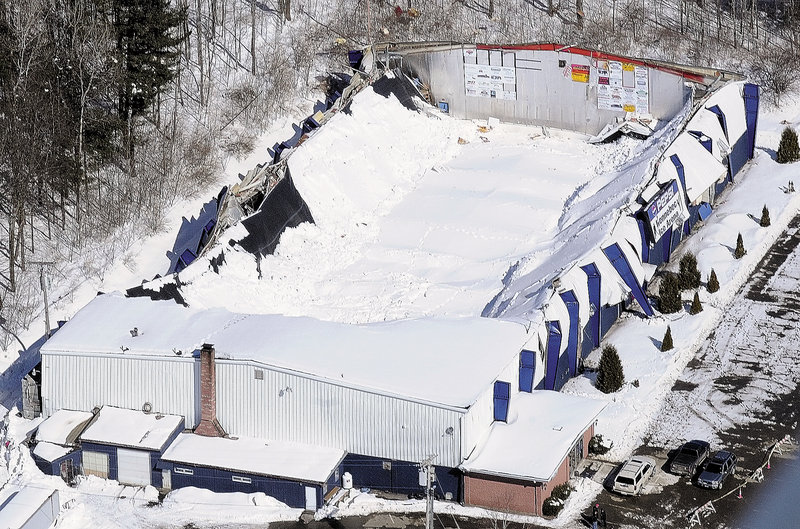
x: 623, y: 86
x: 580, y: 73
x: 482, y: 80
x: 667, y: 209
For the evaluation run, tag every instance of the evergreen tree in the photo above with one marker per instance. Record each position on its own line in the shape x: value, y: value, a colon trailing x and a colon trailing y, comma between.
x: 148, y: 40
x: 696, y: 307
x: 689, y: 275
x: 788, y: 148
x: 611, y: 376
x: 740, y: 251
x: 666, y: 343
x: 713, y: 283
x: 765, y: 221
x: 669, y: 294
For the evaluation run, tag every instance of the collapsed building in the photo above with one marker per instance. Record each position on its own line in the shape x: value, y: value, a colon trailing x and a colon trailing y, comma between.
x: 441, y: 336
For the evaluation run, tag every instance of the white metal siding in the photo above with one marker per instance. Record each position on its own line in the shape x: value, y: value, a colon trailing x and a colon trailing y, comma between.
x: 481, y: 414
x: 289, y: 407
x: 133, y: 467
x: 81, y: 382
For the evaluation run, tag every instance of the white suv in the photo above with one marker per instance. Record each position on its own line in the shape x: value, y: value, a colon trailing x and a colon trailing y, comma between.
x: 634, y: 474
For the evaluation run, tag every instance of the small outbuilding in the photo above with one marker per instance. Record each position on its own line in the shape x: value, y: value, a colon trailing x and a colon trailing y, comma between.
x: 521, y: 461
x: 297, y: 474
x: 56, y: 451
x: 126, y: 445
x: 28, y: 507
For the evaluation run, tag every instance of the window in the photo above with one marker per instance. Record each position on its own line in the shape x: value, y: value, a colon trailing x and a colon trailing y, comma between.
x: 184, y: 471
x: 502, y: 394
x: 259, y: 374
x: 241, y: 479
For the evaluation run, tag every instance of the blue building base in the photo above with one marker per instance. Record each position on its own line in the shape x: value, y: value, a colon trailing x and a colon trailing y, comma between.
x: 401, y: 477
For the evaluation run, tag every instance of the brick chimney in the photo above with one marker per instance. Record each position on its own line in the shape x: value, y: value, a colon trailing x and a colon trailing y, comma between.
x: 209, y: 425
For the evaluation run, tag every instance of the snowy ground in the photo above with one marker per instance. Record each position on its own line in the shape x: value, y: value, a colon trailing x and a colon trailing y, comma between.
x: 627, y: 421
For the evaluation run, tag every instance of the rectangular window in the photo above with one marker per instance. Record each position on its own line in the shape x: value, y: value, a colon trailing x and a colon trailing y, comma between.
x: 184, y: 471
x: 241, y: 479
x: 259, y: 374
x: 502, y: 395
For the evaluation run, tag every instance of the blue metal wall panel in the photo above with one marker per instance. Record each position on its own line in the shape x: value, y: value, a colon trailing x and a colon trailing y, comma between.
x: 527, y: 367
x: 719, y: 187
x: 608, y: 315
x: 593, y: 325
x: 751, y: 115
x: 645, y: 243
x: 740, y: 153
x: 502, y: 400
x: 553, y: 350
x: 53, y: 468
x: 676, y: 161
x: 677, y: 235
x: 723, y: 122
x: 105, y: 449
x: 292, y: 493
x: 571, y: 301
x: 401, y: 477
x: 623, y: 268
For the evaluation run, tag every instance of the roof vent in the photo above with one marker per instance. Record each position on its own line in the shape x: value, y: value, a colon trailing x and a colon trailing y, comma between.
x: 147, y: 407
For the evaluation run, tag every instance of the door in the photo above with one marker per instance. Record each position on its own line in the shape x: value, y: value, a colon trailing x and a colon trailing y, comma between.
x: 133, y: 467
x: 311, y: 498
x: 95, y: 464
x: 166, y: 479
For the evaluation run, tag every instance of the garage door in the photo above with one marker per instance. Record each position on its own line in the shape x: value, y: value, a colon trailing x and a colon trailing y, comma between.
x: 133, y: 467
x: 95, y: 464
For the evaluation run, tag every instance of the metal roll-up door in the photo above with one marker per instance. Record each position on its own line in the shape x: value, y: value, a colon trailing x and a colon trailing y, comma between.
x: 133, y: 467
x: 95, y: 464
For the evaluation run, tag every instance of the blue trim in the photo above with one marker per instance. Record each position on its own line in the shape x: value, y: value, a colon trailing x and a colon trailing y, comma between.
x: 557, y: 368
x: 676, y: 161
x: 593, y: 285
x: 527, y: 368
x: 750, y: 94
x: 502, y: 396
x: 643, y: 235
x: 723, y: 122
x: 571, y: 301
x: 623, y: 268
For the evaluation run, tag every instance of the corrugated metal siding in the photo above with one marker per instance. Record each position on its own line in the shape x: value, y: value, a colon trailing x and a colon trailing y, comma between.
x: 76, y: 382
x: 481, y: 414
x: 289, y: 407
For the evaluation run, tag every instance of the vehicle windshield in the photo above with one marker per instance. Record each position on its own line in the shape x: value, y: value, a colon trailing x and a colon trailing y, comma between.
x: 714, y: 468
x: 624, y: 480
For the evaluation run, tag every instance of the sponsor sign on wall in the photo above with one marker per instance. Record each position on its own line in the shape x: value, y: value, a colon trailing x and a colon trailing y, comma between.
x: 623, y: 86
x: 481, y: 80
x: 667, y: 209
x: 580, y: 73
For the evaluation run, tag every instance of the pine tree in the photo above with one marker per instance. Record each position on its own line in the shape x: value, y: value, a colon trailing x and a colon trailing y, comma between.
x: 611, y: 376
x: 666, y: 343
x: 669, y: 294
x: 696, y: 307
x: 788, y: 148
x: 765, y: 221
x: 689, y: 275
x: 713, y: 283
x: 740, y: 251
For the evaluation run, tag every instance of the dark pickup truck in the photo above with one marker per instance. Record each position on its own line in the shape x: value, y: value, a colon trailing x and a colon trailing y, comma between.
x: 690, y: 457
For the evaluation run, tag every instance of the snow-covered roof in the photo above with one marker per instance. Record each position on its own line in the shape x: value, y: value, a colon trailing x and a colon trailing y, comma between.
x: 294, y: 461
x: 63, y: 426
x: 541, y: 429
x: 19, y: 504
x: 136, y: 429
x: 462, y: 355
x: 51, y: 451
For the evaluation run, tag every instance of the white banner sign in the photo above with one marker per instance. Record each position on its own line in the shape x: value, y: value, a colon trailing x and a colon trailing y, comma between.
x: 666, y: 210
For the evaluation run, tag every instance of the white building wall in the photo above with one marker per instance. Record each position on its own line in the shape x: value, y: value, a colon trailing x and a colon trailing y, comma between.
x: 81, y: 382
x: 289, y: 407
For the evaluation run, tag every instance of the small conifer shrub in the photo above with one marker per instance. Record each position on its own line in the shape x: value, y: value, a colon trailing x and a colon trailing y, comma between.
x: 696, y: 307
x: 740, y: 251
x: 666, y: 343
x: 713, y: 282
x: 669, y: 294
x: 689, y: 275
x: 788, y: 148
x: 765, y: 217
x: 610, y: 377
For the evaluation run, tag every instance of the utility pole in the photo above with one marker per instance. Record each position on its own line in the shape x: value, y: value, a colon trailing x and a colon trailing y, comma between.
x: 43, y: 284
x: 427, y: 467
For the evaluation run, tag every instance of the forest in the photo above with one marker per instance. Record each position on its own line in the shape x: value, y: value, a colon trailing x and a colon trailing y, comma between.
x: 113, y: 110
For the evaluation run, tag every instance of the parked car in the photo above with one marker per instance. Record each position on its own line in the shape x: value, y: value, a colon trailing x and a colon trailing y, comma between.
x: 690, y: 457
x: 633, y: 475
x: 717, y: 469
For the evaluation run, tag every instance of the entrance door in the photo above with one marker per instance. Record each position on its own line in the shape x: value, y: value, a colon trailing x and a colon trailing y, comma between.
x: 166, y: 479
x: 311, y: 498
x: 95, y: 464
x: 133, y: 467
